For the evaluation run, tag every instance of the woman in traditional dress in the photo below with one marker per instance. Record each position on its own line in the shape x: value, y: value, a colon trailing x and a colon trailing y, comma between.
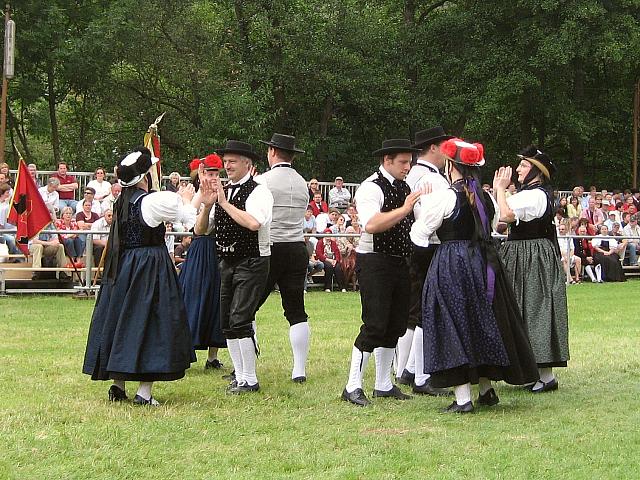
x: 473, y: 331
x: 532, y: 260
x: 139, y: 328
x: 200, y: 278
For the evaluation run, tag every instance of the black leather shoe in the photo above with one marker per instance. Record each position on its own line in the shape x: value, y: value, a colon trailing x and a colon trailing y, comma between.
x: 241, y: 388
x: 357, y: 397
x: 116, y: 394
x: 213, y: 364
x: 546, y: 387
x: 427, y: 389
x: 489, y: 399
x: 300, y: 379
x: 406, y: 378
x: 395, y: 392
x: 455, y: 408
x: 152, y: 402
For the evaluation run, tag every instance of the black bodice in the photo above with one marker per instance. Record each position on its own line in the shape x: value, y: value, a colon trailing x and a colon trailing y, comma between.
x: 135, y: 232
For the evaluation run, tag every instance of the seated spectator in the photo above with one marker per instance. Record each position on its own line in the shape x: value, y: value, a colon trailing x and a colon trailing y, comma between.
x: 339, y: 227
x: 558, y: 217
x: 180, y: 251
x: 89, y: 195
x: 7, y: 238
x: 318, y: 205
x: 625, y: 219
x: 33, y: 171
x: 327, y: 220
x: 339, y: 196
x: 584, y: 250
x: 562, y: 205
x: 327, y: 252
x: 4, y: 180
x: 309, y: 226
x: 100, y: 185
x: 314, y: 187
x: 592, y: 214
x: 5, y: 175
x: 170, y: 240
x: 606, y: 256
x: 628, y: 202
x: 348, y: 247
x: 174, y: 182
x: 599, y: 205
x: 608, y: 203
x: 314, y: 266
x: 574, y: 209
x: 569, y: 259
x: 100, y: 239
x: 611, y: 220
x: 632, y: 230
x: 86, y: 217
x: 351, y: 214
x: 49, y: 194
x: 73, y: 244
x: 67, y: 188
x: 46, y: 245
x: 107, y: 203
x: 511, y: 190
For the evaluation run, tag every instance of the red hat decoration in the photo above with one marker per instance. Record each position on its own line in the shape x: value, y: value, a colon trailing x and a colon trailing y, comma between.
x: 212, y: 162
x: 471, y: 154
x: 194, y: 164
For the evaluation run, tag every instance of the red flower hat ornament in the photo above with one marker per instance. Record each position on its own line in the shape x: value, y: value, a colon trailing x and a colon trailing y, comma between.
x: 194, y: 164
x: 212, y: 162
x: 465, y: 153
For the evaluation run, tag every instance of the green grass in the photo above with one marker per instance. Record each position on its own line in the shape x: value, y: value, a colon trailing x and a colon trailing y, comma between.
x: 56, y: 423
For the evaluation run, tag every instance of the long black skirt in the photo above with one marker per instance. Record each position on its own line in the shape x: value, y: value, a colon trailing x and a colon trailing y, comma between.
x: 139, y: 328
x: 199, y: 281
x: 466, y: 336
x: 611, y: 267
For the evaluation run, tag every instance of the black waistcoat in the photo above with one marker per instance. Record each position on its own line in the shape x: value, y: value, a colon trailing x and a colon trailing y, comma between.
x: 396, y: 240
x: 542, y: 227
x: 460, y: 225
x: 135, y: 232
x: 233, y: 240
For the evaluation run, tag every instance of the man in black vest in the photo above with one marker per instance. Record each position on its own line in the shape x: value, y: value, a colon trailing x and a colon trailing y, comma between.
x: 385, y: 207
x: 242, y: 216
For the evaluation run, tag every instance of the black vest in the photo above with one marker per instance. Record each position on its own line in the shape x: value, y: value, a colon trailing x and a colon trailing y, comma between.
x: 135, y: 232
x: 233, y: 240
x: 542, y: 227
x: 460, y: 225
x: 396, y: 240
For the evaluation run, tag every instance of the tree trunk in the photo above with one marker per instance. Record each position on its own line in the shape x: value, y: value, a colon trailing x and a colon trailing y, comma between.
x: 14, y: 126
x: 51, y: 97
x: 321, y: 151
x: 576, y: 144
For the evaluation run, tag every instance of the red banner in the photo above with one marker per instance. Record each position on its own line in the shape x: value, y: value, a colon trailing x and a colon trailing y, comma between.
x: 27, y: 210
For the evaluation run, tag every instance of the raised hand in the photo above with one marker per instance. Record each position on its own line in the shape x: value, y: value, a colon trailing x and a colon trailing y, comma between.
x: 221, y: 197
x: 186, y: 192
x: 502, y: 178
x: 208, y: 193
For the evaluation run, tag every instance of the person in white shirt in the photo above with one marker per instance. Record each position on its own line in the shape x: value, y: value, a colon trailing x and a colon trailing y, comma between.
x: 100, y: 240
x: 49, y: 194
x: 89, y: 194
x: 107, y: 203
x: 100, y: 185
x: 339, y: 196
x: 569, y: 260
x: 632, y: 230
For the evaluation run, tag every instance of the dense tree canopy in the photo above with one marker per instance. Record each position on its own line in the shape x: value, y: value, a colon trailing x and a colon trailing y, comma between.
x: 341, y: 75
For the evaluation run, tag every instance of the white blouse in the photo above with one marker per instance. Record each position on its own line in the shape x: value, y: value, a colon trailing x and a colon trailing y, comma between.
x: 528, y: 205
x: 596, y: 242
x: 159, y: 207
x: 102, y: 188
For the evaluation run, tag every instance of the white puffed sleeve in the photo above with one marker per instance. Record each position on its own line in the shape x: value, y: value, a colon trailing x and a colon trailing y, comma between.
x: 158, y: 207
x: 435, y: 207
x: 528, y: 205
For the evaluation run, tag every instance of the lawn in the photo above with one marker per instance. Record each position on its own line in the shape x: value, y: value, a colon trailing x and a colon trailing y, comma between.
x: 55, y: 423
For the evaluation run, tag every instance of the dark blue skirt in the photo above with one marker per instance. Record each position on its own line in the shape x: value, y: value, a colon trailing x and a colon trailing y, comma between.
x: 139, y: 328
x: 466, y: 336
x: 200, y: 285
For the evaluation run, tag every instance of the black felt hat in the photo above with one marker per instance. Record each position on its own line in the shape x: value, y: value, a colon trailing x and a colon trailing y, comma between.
x: 133, y: 166
x: 541, y: 160
x: 395, y: 145
x: 283, y: 142
x: 241, y: 148
x: 424, y: 138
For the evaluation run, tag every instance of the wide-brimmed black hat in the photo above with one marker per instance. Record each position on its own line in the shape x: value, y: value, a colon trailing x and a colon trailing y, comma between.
x: 283, y: 142
x: 395, y: 145
x: 424, y: 138
x: 241, y: 148
x: 541, y: 160
x: 133, y: 166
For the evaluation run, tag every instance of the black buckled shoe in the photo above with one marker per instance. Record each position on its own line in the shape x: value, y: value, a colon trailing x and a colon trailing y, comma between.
x: 455, y: 408
x: 152, y: 402
x: 300, y: 379
x: 213, y: 364
x: 395, y: 392
x: 546, y: 387
x: 406, y: 378
x: 489, y: 398
x: 427, y: 389
x: 357, y: 397
x: 244, y: 387
x: 116, y: 394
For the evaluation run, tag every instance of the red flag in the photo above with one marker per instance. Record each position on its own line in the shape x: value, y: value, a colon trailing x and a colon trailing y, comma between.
x: 27, y: 210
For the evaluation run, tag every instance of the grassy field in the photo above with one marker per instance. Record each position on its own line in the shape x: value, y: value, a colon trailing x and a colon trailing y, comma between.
x: 55, y: 423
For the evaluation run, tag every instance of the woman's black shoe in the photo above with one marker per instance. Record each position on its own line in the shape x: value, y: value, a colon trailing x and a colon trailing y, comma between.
x: 116, y: 394
x: 152, y: 402
x: 546, y: 387
x: 213, y: 364
x: 489, y: 398
x: 455, y: 408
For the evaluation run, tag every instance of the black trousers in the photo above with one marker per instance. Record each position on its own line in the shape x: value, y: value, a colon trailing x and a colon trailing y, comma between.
x: 288, y: 269
x: 418, y: 268
x: 384, y: 295
x: 329, y: 272
x: 240, y: 279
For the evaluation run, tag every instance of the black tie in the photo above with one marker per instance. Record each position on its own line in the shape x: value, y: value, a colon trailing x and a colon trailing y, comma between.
x: 232, y: 189
x: 398, y: 184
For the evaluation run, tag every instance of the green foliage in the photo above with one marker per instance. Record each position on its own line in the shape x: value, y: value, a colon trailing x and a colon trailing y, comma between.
x: 340, y: 75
